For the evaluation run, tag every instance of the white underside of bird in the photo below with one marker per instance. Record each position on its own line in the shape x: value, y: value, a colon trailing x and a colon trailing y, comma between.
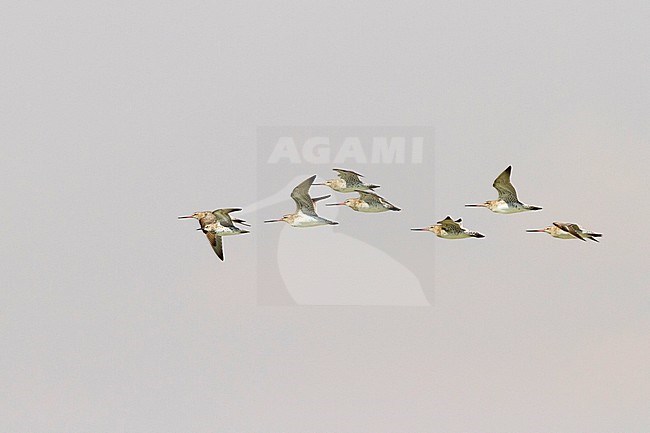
x: 506, y: 208
x: 305, y: 220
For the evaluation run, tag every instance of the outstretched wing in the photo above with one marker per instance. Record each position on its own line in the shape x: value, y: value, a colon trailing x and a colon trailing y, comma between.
x: 300, y: 195
x: 217, y: 244
x: 373, y: 199
x: 571, y: 228
x: 222, y: 216
x: 449, y: 224
x: 350, y: 177
x: 370, y: 197
x: 502, y: 184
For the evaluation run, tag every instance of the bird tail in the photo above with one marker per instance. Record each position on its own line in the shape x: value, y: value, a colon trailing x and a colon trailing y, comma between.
x: 529, y: 207
x: 395, y: 208
x: 372, y: 187
x: 475, y: 234
x: 593, y: 236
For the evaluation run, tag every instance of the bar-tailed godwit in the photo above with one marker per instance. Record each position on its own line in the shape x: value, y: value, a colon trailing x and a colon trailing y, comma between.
x: 305, y: 214
x: 568, y: 231
x: 348, y: 181
x: 450, y: 229
x: 507, y: 201
x: 216, y: 224
x: 367, y: 202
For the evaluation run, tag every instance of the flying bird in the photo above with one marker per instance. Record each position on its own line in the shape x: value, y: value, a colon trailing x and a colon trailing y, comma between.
x: 507, y: 202
x: 368, y: 202
x: 348, y: 181
x: 450, y: 229
x: 216, y: 224
x: 568, y: 231
x: 305, y: 214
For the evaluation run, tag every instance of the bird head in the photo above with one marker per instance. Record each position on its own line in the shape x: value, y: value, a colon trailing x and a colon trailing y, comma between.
x: 196, y: 215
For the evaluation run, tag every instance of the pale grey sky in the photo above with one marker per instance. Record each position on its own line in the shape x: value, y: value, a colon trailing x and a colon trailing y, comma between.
x: 118, y: 117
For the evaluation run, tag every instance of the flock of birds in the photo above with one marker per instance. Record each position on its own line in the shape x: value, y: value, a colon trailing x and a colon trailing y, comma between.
x: 218, y: 223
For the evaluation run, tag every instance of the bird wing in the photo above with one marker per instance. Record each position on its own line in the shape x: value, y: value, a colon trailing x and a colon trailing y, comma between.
x: 300, y: 195
x: 370, y: 197
x: 571, y: 228
x: 323, y: 197
x: 217, y: 244
x: 449, y: 224
x: 502, y: 184
x: 350, y: 177
x: 222, y: 216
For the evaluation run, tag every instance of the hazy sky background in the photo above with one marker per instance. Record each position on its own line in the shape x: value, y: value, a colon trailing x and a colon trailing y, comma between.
x: 119, y: 116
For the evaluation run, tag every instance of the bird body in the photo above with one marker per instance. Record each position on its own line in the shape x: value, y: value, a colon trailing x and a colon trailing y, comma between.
x: 305, y: 214
x: 450, y: 229
x: 220, y: 230
x: 504, y: 207
x: 348, y: 181
x: 562, y: 230
x: 507, y: 202
x: 367, y: 202
x: 216, y: 224
x: 300, y: 219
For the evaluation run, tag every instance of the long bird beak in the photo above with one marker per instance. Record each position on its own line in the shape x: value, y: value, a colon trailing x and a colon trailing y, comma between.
x: 476, y: 205
x: 318, y: 184
x: 186, y: 216
x: 334, y: 204
x: 424, y: 229
x: 535, y: 231
x: 272, y: 221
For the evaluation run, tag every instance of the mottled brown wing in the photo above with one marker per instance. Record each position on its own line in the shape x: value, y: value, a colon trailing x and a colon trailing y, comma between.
x: 570, y: 228
x: 370, y: 197
x: 449, y: 224
x: 223, y: 217
x: 217, y: 244
x: 502, y: 184
x: 350, y: 177
x: 300, y: 195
